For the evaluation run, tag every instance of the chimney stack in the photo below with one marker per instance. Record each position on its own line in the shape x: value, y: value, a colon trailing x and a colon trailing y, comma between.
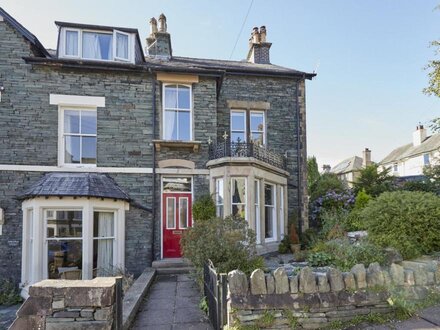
x: 419, y: 135
x: 366, y: 157
x: 326, y: 168
x: 159, y: 40
x: 258, y: 46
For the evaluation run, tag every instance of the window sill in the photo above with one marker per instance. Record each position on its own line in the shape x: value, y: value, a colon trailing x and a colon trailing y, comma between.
x: 173, y: 144
x: 78, y: 165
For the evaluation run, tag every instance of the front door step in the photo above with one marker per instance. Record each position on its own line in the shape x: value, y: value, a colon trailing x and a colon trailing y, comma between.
x: 172, y: 266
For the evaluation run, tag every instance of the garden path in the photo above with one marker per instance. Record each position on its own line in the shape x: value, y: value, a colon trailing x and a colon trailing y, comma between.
x: 7, y: 315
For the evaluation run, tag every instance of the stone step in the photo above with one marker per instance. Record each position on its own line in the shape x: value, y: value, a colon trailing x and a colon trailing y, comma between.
x: 171, y: 263
x: 174, y: 270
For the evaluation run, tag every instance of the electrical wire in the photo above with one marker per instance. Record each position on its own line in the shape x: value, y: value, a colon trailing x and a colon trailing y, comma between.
x: 241, y: 29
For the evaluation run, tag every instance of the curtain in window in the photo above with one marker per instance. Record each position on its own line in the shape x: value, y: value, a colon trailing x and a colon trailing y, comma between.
x: 121, y: 46
x: 72, y: 43
x: 105, y: 246
x: 97, y: 46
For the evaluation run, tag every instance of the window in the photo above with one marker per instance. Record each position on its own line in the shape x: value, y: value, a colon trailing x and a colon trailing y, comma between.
x: 79, y: 136
x: 74, y: 238
x: 171, y: 213
x: 282, y: 211
x: 177, y: 121
x: 238, y: 126
x: 219, y: 195
x: 94, y: 45
x: 248, y: 126
x: 395, y: 168
x: 426, y: 159
x: 257, y: 209
x: 183, y: 215
x: 64, y: 241
x: 270, y: 214
x: 238, y: 196
x: 103, y: 241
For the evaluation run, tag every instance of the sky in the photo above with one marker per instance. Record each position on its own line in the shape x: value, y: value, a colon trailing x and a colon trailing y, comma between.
x: 369, y: 55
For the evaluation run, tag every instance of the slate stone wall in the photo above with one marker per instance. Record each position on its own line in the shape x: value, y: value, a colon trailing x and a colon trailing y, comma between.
x: 314, y: 300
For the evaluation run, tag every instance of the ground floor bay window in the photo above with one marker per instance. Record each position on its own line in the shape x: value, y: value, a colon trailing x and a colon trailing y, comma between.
x: 72, y: 238
x: 256, y: 195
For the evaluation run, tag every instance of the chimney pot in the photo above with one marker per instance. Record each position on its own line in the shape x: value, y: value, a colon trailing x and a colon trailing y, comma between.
x: 263, y: 33
x: 162, y: 23
x: 153, y: 26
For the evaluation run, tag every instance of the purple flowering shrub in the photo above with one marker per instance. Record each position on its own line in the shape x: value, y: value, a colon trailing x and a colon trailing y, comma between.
x: 330, y: 201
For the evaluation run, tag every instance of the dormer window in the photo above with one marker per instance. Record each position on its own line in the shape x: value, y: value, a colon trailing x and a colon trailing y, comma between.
x: 97, y: 45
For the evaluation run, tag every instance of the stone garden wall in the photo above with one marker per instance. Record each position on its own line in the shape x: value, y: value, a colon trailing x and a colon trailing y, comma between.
x: 68, y: 305
x: 313, y: 300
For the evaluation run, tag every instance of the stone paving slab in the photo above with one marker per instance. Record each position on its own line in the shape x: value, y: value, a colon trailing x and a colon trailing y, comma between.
x: 172, y: 304
x: 7, y: 315
x: 431, y: 314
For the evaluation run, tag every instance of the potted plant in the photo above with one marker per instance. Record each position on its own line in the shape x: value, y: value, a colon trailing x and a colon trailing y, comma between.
x: 295, y: 245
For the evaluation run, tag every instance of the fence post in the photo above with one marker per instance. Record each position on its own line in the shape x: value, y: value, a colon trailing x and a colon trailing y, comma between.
x: 118, y: 303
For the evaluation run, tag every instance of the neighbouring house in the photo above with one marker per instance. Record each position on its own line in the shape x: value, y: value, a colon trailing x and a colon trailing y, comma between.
x: 104, y: 147
x: 349, y: 169
x: 409, y: 160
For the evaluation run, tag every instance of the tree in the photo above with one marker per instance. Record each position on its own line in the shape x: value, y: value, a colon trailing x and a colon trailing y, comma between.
x: 325, y: 183
x: 374, y: 181
x: 312, y: 172
x: 434, y: 74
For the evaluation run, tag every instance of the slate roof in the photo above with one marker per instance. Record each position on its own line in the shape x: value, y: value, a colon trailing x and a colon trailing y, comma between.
x: 191, y: 63
x: 348, y: 165
x: 431, y: 143
x: 77, y: 185
x: 24, y: 32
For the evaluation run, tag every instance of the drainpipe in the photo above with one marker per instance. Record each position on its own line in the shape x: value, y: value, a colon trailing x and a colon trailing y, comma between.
x: 298, y: 154
x: 154, y: 168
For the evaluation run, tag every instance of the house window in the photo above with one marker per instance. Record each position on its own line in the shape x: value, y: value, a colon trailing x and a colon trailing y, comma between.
x: 79, y: 136
x: 75, y: 238
x: 395, y: 168
x: 103, y: 242
x: 219, y: 195
x: 270, y: 214
x: 281, y: 216
x: 64, y: 241
x: 426, y: 159
x: 238, y: 126
x: 93, y: 45
x: 177, y: 118
x: 257, y: 209
x: 248, y: 126
x: 238, y: 197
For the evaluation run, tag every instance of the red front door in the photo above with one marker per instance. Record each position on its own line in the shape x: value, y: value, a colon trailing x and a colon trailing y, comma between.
x: 177, y: 217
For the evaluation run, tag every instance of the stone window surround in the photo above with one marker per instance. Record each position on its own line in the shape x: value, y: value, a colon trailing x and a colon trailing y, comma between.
x: 74, y: 102
x: 62, y: 45
x: 252, y: 173
x: 34, y: 266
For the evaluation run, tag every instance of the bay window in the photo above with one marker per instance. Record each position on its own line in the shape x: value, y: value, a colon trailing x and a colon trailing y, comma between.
x: 177, y: 114
x: 219, y: 197
x: 79, y: 136
x: 238, y: 197
x: 103, y: 241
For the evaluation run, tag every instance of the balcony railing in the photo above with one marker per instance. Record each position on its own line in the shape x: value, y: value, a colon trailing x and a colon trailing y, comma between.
x: 246, y: 149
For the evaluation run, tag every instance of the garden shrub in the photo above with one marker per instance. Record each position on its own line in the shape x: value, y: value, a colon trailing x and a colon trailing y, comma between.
x: 309, y: 238
x: 325, y: 183
x: 407, y: 221
x: 9, y: 292
x: 353, y: 222
x: 228, y: 243
x: 203, y: 208
x: 319, y: 259
x: 284, y: 246
x: 345, y: 255
x: 333, y: 223
x: 330, y: 201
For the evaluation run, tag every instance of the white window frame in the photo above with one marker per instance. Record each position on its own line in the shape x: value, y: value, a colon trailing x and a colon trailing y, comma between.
x: 246, y: 217
x: 238, y: 131
x: 217, y: 193
x: 113, y: 238
x: 62, y: 47
x: 281, y: 212
x: 62, y: 135
x: 190, y: 110
x: 274, y: 213
x: 34, y: 268
x: 257, y: 206
x: 264, y: 124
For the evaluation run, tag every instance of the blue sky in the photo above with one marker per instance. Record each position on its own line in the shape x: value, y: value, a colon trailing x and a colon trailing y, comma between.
x: 369, y: 54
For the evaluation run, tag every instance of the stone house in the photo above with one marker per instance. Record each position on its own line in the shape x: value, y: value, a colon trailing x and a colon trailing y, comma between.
x: 104, y: 147
x: 349, y: 169
x: 408, y: 161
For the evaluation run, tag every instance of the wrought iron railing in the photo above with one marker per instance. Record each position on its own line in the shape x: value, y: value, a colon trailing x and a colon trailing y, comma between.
x: 227, y: 148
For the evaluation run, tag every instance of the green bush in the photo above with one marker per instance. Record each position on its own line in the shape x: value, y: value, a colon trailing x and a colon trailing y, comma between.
x: 228, y: 243
x: 9, y: 293
x: 203, y: 208
x: 319, y: 259
x: 407, y: 221
x: 333, y: 223
x: 345, y: 255
x: 325, y: 183
x: 284, y: 246
x: 353, y: 221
